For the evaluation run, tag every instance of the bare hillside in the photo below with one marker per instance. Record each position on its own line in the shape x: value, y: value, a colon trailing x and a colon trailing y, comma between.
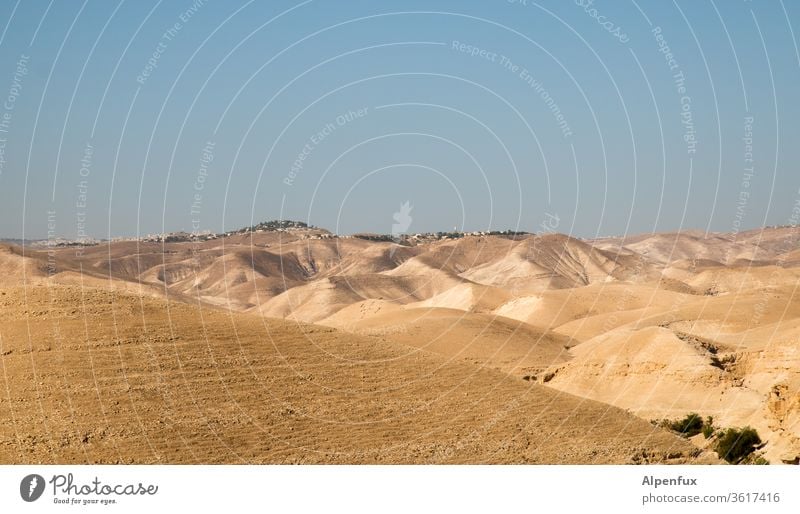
x: 660, y: 325
x: 101, y: 377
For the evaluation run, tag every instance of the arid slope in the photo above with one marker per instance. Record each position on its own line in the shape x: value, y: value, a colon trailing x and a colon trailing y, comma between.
x: 658, y: 324
x: 92, y: 376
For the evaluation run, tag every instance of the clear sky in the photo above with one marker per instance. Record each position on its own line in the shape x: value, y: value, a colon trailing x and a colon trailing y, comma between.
x: 133, y: 117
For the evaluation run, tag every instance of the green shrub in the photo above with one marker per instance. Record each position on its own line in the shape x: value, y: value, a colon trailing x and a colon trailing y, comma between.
x: 737, y: 443
x: 758, y: 461
x: 708, y: 427
x: 689, y: 426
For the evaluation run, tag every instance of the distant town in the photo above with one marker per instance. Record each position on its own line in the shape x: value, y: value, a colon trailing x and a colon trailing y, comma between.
x: 297, y: 228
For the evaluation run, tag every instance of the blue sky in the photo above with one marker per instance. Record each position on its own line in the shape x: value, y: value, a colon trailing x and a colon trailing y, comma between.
x: 140, y: 117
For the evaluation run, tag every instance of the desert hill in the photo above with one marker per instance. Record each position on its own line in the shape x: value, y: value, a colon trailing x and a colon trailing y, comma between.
x: 485, y: 340
x: 658, y: 324
x: 95, y: 376
x: 724, y: 356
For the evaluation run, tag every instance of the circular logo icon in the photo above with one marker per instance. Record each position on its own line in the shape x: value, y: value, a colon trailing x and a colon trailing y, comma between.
x: 31, y: 487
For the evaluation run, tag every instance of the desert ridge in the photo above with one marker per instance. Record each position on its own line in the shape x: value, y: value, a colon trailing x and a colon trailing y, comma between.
x: 102, y: 376
x: 659, y: 325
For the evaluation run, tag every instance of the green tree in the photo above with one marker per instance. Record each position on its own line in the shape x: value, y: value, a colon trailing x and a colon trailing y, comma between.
x: 737, y: 443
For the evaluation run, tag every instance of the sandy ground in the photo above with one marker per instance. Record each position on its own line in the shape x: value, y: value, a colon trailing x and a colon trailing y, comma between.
x: 92, y: 376
x: 273, y: 348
